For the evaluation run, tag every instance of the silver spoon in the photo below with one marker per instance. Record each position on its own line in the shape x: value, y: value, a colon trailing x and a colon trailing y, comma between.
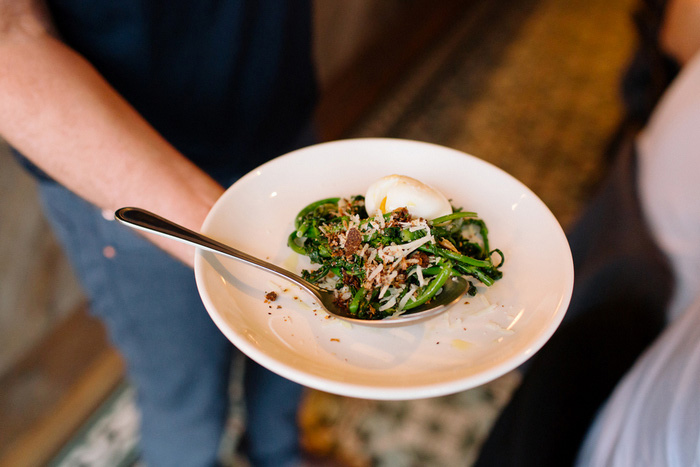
x: 144, y: 220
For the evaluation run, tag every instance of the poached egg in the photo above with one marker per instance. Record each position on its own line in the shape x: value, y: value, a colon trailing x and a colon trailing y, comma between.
x: 398, y: 191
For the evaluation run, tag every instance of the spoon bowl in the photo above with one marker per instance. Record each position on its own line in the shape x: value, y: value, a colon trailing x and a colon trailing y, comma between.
x: 141, y: 219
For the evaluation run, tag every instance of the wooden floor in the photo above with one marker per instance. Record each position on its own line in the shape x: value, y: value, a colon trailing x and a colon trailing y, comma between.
x: 53, y: 389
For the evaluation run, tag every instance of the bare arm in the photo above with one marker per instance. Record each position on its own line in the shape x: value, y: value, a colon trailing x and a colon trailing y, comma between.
x: 60, y: 113
x: 680, y: 30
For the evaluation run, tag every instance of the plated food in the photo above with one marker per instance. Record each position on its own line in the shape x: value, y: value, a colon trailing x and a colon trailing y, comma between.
x: 393, y: 249
x: 478, y: 339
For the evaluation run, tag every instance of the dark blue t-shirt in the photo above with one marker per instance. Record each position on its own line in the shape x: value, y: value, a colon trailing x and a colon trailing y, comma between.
x: 230, y: 83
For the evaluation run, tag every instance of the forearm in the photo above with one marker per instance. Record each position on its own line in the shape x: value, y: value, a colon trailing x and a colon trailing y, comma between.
x: 58, y: 111
x: 680, y: 30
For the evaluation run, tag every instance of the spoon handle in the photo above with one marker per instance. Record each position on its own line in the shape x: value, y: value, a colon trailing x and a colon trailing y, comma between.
x: 147, y: 221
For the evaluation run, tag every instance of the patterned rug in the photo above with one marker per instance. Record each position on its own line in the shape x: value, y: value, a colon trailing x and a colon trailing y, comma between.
x: 531, y: 88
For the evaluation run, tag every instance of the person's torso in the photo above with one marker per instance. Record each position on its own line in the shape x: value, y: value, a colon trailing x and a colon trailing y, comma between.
x: 226, y: 82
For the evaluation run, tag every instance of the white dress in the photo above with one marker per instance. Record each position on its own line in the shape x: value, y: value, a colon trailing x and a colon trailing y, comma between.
x: 653, y: 416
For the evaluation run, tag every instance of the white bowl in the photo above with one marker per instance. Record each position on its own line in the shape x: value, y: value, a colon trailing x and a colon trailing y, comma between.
x: 476, y: 341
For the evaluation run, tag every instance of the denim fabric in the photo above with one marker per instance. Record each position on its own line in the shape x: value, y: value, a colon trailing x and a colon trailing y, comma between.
x: 176, y: 358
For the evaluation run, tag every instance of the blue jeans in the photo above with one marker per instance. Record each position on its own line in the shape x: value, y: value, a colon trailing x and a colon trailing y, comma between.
x: 176, y: 358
